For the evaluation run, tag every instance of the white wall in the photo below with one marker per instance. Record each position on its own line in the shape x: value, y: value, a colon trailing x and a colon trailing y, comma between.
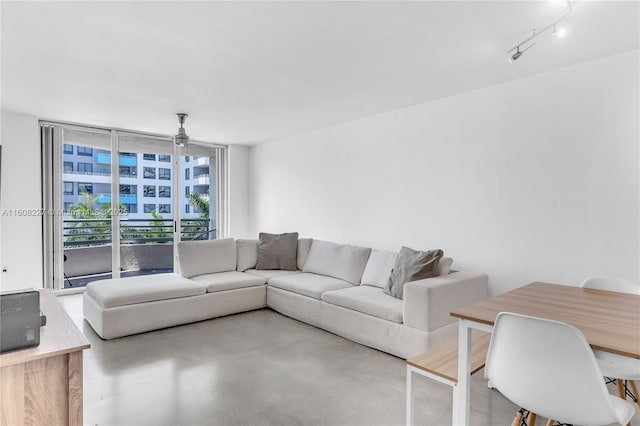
x: 238, y: 191
x: 535, y: 179
x: 20, y: 236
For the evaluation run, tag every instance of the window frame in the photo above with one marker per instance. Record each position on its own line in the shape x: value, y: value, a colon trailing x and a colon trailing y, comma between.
x: 84, y: 165
x: 153, y: 175
x: 85, y: 151
x: 145, y: 192
x: 64, y: 188
x: 164, y: 191
x: 90, y: 184
x: 161, y: 175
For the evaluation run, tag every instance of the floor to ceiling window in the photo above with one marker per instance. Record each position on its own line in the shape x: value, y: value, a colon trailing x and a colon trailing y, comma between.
x: 141, y: 188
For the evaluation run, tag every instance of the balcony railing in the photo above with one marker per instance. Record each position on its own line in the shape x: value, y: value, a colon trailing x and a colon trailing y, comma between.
x: 96, y: 232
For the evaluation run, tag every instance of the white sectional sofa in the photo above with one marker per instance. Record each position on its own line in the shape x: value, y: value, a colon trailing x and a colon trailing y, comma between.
x: 337, y: 287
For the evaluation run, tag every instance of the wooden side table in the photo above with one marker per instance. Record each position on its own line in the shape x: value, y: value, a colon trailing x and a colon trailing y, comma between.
x: 43, y: 385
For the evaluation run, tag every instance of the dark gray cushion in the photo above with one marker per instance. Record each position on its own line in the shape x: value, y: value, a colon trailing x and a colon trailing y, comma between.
x: 412, y: 265
x: 278, y: 251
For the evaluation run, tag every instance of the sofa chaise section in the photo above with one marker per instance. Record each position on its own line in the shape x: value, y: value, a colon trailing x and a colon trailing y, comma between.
x: 209, y: 286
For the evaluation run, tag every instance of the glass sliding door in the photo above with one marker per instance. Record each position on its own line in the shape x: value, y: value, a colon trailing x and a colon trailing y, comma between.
x: 84, y: 195
x: 197, y: 201
x: 145, y: 187
x: 124, y: 200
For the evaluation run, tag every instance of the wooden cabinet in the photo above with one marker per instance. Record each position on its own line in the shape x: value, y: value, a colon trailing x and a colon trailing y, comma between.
x: 43, y: 385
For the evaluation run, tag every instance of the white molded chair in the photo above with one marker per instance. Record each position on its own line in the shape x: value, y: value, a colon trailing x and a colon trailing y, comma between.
x: 616, y: 366
x: 548, y: 368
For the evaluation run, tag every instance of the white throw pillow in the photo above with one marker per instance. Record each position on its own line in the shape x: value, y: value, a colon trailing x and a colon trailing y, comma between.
x: 206, y: 257
x: 337, y: 260
x: 247, y: 253
x: 444, y: 267
x: 377, y: 273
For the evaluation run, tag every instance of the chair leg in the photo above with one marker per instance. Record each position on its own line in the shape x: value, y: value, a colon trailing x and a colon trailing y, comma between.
x: 620, y: 386
x: 531, y: 419
x: 635, y: 392
x: 550, y: 422
x: 517, y: 419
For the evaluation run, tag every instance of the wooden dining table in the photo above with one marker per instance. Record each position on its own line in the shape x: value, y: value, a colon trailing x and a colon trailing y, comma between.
x: 610, y: 322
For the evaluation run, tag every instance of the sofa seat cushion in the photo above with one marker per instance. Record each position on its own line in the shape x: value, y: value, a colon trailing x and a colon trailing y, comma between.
x: 142, y: 289
x: 267, y: 274
x: 229, y: 280
x: 368, y: 300
x: 311, y: 285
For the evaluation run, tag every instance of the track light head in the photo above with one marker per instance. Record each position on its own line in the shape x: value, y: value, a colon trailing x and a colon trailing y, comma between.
x: 514, y: 57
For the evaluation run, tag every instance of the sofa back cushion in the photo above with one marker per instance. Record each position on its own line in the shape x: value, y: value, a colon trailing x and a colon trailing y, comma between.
x: 206, y: 257
x: 247, y: 254
x: 377, y: 273
x: 304, y: 245
x: 337, y: 260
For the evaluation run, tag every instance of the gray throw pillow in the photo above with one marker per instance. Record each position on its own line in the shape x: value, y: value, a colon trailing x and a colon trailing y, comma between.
x: 412, y: 265
x: 278, y: 251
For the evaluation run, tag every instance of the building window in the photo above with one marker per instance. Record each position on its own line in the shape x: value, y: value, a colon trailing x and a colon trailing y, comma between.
x: 68, y: 167
x: 151, y: 157
x: 149, y: 172
x: 131, y: 208
x: 128, y: 154
x: 85, y: 187
x: 67, y: 207
x: 149, y: 190
x: 149, y: 208
x: 186, y: 159
x: 164, y: 191
x: 129, y: 190
x: 186, y: 208
x: 164, y: 174
x: 85, y: 150
x: 68, y: 188
x: 186, y: 174
x: 128, y: 171
x: 85, y: 167
x: 165, y: 158
x: 187, y: 191
x: 68, y: 148
x: 164, y: 208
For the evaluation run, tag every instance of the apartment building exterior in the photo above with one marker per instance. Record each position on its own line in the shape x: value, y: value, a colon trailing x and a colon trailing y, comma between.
x: 145, y: 184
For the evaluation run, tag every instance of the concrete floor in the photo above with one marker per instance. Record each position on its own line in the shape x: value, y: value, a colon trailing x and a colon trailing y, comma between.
x: 258, y: 368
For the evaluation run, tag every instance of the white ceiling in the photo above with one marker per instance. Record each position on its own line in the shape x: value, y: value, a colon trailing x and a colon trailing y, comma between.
x: 248, y: 72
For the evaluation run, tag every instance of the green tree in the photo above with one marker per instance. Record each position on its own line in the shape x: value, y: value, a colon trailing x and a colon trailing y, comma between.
x: 200, y: 202
x: 157, y: 228
x: 195, y: 229
x: 91, y: 224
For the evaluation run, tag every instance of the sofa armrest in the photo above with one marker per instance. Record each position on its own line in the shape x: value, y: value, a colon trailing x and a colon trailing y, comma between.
x: 428, y: 302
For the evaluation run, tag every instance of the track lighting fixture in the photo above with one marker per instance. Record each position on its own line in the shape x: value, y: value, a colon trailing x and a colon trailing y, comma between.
x: 516, y: 52
x: 181, y: 138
